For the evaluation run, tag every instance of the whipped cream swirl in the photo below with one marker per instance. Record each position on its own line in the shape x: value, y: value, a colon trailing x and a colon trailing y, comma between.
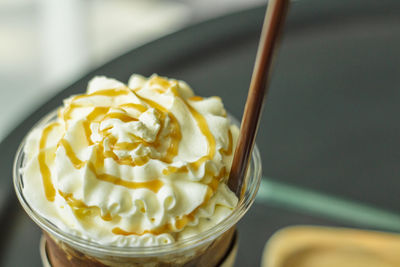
x: 133, y: 165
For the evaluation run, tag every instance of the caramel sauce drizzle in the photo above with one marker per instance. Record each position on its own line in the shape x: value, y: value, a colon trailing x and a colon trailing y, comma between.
x: 81, y: 210
x: 138, y: 107
x: 153, y: 185
x: 156, y: 80
x: 120, y: 116
x: 106, y: 92
x: 78, y: 164
x: 48, y: 186
x: 125, y: 146
x: 203, y: 126
x: 99, y: 114
x: 172, y: 169
x: 139, y: 161
x: 195, y: 98
x: 66, y: 114
x: 96, y: 112
x: 228, y: 151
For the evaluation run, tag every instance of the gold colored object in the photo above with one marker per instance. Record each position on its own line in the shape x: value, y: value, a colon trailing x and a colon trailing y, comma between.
x: 307, y: 246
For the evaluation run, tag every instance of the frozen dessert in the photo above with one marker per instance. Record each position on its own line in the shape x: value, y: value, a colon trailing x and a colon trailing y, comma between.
x: 134, y: 165
x: 134, y: 175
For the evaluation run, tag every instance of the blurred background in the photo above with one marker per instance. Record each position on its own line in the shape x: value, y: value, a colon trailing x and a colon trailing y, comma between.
x: 45, y: 44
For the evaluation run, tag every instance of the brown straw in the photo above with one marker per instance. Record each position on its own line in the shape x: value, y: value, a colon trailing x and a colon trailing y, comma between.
x: 273, y: 23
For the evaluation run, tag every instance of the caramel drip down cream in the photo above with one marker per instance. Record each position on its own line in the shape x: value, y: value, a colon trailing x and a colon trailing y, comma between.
x: 44, y: 169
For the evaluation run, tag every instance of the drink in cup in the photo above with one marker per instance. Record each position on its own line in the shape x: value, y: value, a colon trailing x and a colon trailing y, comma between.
x: 134, y: 175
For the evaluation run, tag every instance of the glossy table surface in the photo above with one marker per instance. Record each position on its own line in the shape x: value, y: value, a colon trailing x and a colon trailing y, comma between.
x: 330, y: 123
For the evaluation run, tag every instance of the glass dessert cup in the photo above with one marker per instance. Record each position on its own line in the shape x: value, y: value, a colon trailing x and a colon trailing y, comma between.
x: 207, y: 248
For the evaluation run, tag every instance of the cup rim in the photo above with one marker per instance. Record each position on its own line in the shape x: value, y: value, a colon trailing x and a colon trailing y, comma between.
x: 252, y: 184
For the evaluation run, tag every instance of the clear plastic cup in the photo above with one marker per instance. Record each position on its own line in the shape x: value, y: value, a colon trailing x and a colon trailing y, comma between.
x: 205, y: 249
